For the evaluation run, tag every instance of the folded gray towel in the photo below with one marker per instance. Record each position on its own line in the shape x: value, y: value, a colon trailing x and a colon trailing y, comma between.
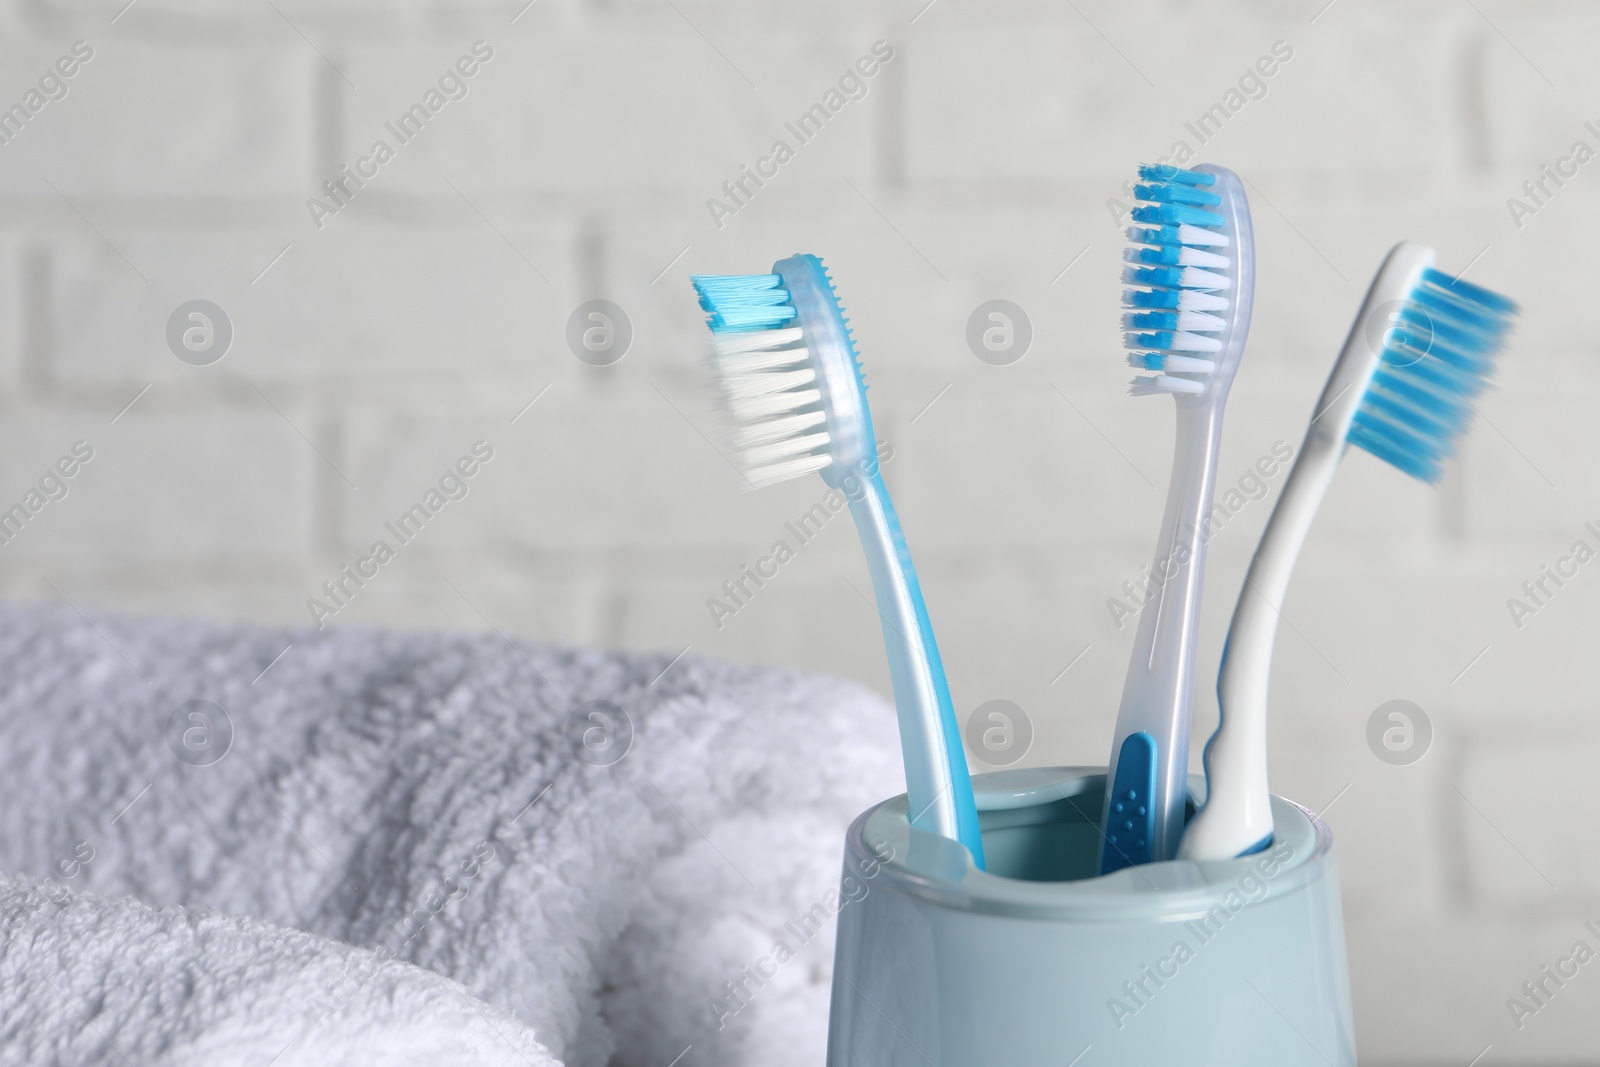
x: 453, y: 802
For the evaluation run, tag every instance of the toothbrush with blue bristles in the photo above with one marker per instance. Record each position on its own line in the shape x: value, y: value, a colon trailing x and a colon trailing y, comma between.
x: 1423, y: 345
x: 789, y: 377
x: 1192, y: 278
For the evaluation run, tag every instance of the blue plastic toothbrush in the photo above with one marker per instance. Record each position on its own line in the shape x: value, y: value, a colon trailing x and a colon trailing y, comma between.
x: 1423, y: 345
x: 1192, y: 269
x: 789, y: 377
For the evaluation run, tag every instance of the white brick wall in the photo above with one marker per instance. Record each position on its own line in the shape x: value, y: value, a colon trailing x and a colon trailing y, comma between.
x: 428, y: 313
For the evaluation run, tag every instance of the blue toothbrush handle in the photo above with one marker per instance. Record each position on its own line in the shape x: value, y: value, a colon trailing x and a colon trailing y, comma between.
x: 938, y: 787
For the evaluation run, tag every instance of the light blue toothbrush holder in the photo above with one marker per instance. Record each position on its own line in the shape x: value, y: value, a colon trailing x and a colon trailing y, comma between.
x: 1037, y: 962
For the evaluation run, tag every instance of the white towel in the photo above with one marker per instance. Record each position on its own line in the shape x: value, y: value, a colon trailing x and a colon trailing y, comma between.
x: 85, y: 981
x: 422, y: 796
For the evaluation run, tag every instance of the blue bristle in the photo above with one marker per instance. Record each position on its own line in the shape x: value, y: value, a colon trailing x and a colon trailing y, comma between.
x: 1176, y: 215
x: 1161, y: 339
x: 1470, y: 294
x: 1156, y: 235
x: 1438, y: 357
x: 1164, y: 256
x: 1160, y: 172
x: 1150, y: 320
x: 1162, y: 277
x: 1151, y: 298
x: 1174, y: 193
x: 743, y: 302
x: 1170, y: 197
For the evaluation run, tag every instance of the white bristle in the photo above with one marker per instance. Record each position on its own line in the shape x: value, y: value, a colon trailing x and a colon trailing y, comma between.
x: 769, y: 391
x: 782, y: 472
x: 1194, y: 257
x: 1198, y: 235
x: 1198, y: 322
x: 753, y: 340
x: 757, y: 433
x: 789, y: 447
x: 752, y: 362
x: 1194, y: 342
x: 1195, y: 278
x: 1150, y: 385
x: 1195, y: 301
x: 746, y: 386
x: 750, y: 409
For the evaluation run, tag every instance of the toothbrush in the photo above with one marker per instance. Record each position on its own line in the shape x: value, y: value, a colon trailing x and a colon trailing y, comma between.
x: 1405, y: 396
x: 790, y: 378
x: 1194, y: 268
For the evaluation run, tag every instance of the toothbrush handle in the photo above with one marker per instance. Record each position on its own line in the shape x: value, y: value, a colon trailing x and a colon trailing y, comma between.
x: 1152, y: 737
x: 937, y: 783
x: 1237, y: 817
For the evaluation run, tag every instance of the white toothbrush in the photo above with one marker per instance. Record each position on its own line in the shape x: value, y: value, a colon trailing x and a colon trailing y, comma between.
x: 1421, y: 347
x: 791, y: 382
x: 1194, y: 268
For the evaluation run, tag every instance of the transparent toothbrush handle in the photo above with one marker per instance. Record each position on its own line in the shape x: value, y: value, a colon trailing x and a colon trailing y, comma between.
x: 938, y: 787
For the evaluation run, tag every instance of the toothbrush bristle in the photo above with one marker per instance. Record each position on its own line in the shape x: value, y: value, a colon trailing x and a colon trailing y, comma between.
x: 1175, y: 265
x: 1438, y: 354
x: 766, y: 379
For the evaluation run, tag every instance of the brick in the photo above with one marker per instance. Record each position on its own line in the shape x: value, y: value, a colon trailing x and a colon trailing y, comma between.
x: 355, y: 303
x: 807, y: 619
x: 1041, y: 102
x: 1031, y: 471
x: 1522, y: 476
x: 1012, y: 634
x: 1518, y: 838
x: 13, y: 269
x: 164, y: 484
x: 554, y: 484
x: 500, y: 596
x: 909, y: 317
x: 262, y: 593
x: 1536, y: 74
x: 1355, y: 635
x: 665, y: 111
x: 1388, y: 865
x: 152, y: 120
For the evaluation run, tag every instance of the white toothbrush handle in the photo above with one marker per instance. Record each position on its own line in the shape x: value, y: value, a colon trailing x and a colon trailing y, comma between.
x: 938, y: 786
x: 1237, y: 816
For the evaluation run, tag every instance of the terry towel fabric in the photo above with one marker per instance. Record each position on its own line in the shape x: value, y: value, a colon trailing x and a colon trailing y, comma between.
x: 427, y: 848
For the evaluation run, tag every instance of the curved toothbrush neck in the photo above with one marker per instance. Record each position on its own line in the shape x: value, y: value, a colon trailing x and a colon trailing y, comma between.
x: 938, y: 787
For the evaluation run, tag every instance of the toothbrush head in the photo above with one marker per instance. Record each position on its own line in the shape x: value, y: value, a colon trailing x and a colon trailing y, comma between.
x: 787, y: 373
x: 1434, y: 351
x: 1192, y: 262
